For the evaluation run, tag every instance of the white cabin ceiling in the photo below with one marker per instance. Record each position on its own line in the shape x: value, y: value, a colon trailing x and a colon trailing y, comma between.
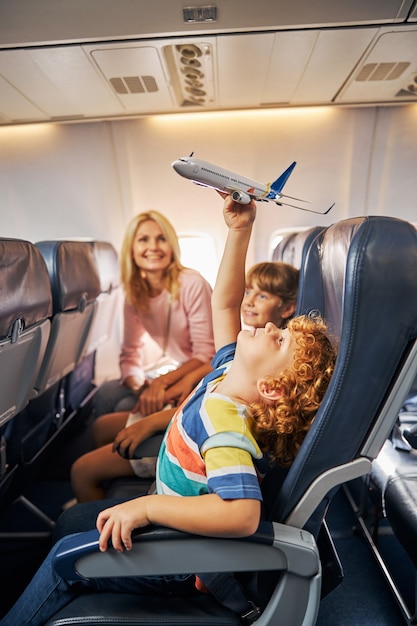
x: 85, y: 60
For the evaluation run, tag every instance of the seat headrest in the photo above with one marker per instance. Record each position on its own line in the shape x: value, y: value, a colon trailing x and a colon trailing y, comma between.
x: 25, y: 292
x: 107, y: 265
x: 292, y: 249
x: 73, y: 273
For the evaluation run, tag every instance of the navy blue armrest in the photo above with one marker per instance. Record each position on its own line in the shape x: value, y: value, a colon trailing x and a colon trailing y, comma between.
x: 160, y: 550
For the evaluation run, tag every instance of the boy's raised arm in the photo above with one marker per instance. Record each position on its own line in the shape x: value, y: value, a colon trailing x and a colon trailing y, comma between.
x: 230, y: 283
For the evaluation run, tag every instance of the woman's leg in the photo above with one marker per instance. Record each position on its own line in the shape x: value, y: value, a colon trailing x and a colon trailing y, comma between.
x: 105, y: 428
x: 89, y: 471
x: 111, y: 396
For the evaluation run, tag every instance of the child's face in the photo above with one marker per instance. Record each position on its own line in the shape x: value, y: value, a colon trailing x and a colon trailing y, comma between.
x: 266, y: 351
x: 259, y: 307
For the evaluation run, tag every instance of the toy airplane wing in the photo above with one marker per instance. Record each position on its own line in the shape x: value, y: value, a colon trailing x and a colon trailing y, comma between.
x: 282, y: 202
x: 296, y: 206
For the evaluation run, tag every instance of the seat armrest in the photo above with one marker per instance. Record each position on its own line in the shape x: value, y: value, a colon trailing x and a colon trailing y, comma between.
x: 159, y: 551
x: 149, y: 447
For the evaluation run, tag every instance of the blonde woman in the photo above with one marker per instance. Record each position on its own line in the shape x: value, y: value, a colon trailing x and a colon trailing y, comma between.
x: 171, y: 304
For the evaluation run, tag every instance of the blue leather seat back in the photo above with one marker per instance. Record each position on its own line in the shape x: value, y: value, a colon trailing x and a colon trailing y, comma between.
x: 295, y: 249
x: 25, y: 309
x: 367, y: 269
x: 75, y: 285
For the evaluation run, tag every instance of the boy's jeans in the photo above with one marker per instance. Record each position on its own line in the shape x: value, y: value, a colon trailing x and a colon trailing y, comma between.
x: 48, y: 593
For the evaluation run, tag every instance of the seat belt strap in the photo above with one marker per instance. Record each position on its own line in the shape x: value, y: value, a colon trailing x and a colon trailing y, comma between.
x: 227, y: 590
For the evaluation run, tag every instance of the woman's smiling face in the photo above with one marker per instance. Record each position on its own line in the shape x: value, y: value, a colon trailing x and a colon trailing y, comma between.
x: 151, y: 250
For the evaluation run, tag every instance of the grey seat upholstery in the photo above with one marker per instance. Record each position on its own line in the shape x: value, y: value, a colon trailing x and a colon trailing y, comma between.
x: 25, y: 311
x: 107, y: 301
x: 80, y: 279
x: 75, y: 285
x: 293, y: 248
x: 360, y: 270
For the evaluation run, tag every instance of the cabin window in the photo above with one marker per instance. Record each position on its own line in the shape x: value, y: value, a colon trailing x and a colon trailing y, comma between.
x: 199, y: 252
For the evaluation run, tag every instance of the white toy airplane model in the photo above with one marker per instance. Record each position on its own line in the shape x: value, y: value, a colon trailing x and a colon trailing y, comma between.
x: 242, y: 189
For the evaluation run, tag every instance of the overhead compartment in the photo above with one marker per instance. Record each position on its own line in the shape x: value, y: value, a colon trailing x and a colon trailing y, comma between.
x: 287, y: 68
x: 387, y: 72
x: 158, y: 77
x: 45, y: 84
x: 135, y: 76
x: 112, y: 80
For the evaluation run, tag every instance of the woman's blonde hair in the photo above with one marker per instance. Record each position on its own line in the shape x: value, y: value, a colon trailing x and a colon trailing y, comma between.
x: 277, y: 278
x: 134, y: 283
x: 280, y: 428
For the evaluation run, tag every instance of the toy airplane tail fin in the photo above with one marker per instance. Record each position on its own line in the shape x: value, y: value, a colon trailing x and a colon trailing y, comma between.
x: 278, y: 185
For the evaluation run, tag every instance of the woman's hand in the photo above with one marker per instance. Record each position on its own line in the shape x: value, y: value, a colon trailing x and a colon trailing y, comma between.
x: 152, y: 398
x: 180, y: 390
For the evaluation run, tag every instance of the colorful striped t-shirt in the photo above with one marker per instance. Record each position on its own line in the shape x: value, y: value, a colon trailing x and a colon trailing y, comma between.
x: 208, y: 447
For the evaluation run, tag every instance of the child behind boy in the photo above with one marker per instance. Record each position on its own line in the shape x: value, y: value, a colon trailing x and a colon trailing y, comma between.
x: 270, y: 296
x: 261, y: 398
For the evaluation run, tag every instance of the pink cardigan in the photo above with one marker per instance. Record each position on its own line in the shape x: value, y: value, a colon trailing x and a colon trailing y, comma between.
x: 191, y: 331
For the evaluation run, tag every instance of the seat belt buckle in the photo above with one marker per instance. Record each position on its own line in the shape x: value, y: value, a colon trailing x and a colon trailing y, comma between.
x: 252, y: 615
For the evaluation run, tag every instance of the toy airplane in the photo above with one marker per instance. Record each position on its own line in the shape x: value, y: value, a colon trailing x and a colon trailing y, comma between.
x: 242, y: 189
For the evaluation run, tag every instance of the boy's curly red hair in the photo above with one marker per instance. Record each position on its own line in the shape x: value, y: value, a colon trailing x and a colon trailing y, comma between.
x: 281, y: 427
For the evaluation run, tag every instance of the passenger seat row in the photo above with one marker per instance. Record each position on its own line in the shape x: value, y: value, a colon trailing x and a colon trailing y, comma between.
x: 58, y: 302
x: 358, y: 274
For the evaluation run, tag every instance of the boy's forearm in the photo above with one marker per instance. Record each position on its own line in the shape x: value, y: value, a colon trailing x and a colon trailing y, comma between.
x: 206, y: 515
x: 209, y: 515
x: 230, y: 283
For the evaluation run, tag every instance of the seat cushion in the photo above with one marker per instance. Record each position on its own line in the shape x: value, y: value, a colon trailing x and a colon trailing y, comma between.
x: 123, y: 608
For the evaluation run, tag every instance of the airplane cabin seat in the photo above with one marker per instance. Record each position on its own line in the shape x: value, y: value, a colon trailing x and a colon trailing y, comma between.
x: 69, y: 268
x: 80, y: 383
x: 362, y: 268
x: 25, y: 311
x: 392, y: 487
x: 75, y: 285
x: 293, y: 248
x: 107, y: 301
